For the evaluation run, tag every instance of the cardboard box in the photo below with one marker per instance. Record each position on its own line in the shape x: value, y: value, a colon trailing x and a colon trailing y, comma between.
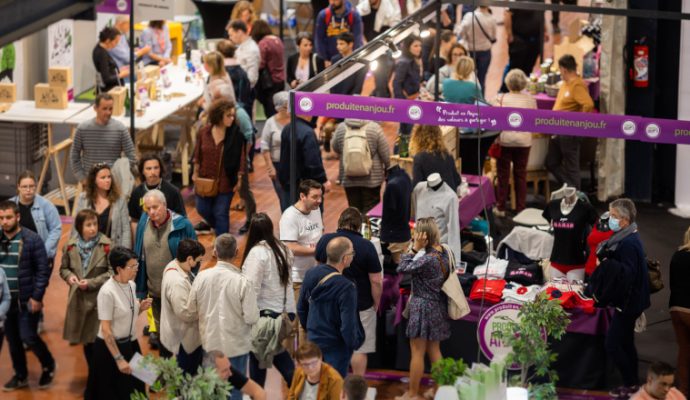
x: 119, y: 96
x: 152, y: 71
x: 8, y: 92
x: 60, y: 77
x: 51, y: 97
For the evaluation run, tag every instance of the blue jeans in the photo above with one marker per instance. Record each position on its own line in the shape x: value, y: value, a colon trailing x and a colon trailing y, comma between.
x: 483, y: 61
x: 21, y: 327
x: 620, y: 346
x: 338, y: 358
x: 240, y: 364
x: 283, y: 195
x: 216, y: 211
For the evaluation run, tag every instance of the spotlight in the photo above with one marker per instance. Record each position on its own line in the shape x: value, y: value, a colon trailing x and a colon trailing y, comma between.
x: 373, y: 65
x: 395, y: 52
x: 425, y: 33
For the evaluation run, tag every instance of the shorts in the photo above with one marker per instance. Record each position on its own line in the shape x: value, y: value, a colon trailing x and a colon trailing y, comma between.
x: 368, y: 319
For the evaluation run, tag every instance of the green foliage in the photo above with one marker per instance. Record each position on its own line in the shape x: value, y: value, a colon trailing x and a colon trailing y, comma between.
x: 530, y: 349
x: 446, y: 370
x: 174, y: 383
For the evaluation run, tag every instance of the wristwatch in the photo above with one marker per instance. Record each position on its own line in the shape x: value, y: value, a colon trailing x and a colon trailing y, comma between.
x: 119, y: 357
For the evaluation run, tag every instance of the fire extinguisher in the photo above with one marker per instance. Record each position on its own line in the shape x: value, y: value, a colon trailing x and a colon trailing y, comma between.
x: 640, y: 68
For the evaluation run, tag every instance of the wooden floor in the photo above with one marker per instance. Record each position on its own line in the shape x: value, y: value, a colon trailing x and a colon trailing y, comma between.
x: 71, y: 368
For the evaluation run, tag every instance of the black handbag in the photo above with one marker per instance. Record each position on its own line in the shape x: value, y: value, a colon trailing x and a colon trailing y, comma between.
x: 265, y: 80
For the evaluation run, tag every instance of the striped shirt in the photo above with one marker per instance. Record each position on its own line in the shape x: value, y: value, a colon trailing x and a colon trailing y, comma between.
x: 94, y: 143
x: 9, y: 260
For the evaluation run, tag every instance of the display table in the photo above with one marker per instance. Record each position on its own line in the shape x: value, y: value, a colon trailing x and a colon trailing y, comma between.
x: 26, y: 111
x: 546, y: 102
x: 470, y: 205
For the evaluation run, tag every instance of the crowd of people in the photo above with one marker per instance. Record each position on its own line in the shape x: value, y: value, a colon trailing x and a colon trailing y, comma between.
x: 304, y: 301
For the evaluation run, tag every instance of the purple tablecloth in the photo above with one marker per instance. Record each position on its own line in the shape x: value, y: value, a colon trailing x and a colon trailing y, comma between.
x: 470, y: 205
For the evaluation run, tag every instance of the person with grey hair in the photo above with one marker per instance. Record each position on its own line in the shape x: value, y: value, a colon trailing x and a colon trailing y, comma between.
x: 624, y: 250
x: 327, y: 306
x: 515, y: 145
x: 157, y: 227
x: 120, y: 53
x: 226, y: 303
x: 270, y: 144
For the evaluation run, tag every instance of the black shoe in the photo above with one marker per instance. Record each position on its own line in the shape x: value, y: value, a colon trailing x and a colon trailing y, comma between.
x: 15, y: 383
x: 154, y: 342
x: 202, y: 227
x: 244, y: 229
x: 146, y: 331
x: 47, y: 377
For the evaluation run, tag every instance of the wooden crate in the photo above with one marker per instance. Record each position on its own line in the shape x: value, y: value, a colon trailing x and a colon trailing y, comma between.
x: 8, y: 92
x: 119, y: 94
x: 60, y: 77
x: 50, y: 97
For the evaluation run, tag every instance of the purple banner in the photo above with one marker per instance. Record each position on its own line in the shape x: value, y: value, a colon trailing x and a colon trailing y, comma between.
x: 494, y: 118
x: 114, y: 6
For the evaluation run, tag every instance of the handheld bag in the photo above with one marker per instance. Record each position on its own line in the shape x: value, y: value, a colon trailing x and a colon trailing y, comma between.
x: 457, y: 302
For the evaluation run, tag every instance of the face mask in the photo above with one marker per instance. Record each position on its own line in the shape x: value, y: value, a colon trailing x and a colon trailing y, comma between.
x: 614, y: 224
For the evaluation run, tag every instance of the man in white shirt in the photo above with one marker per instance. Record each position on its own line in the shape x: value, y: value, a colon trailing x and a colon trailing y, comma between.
x: 225, y: 301
x: 179, y: 329
x: 247, y: 53
x: 301, y: 228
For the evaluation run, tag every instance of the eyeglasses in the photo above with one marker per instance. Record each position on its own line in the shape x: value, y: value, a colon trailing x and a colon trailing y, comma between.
x: 133, y: 266
x: 309, y: 364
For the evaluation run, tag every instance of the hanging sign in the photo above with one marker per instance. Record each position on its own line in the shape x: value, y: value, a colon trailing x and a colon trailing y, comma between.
x: 114, y: 7
x: 148, y: 10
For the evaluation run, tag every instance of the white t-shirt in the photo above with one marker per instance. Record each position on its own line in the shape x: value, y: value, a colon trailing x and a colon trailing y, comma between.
x: 309, y: 391
x: 118, y: 303
x: 306, y: 230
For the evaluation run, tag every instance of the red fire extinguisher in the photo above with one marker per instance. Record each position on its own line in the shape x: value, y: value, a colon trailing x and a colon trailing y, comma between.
x: 640, y: 70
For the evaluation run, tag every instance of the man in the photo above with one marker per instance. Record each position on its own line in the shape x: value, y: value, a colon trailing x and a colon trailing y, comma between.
x: 158, y: 235
x: 354, y: 388
x: 120, y: 53
x: 353, y: 86
x: 247, y: 53
x: 23, y: 259
x: 225, y: 301
x: 524, y: 30
x: 377, y: 17
x: 659, y: 384
x: 240, y: 81
x: 152, y: 170
x: 217, y: 360
x: 101, y: 139
x: 563, y: 158
x: 327, y: 306
x: 366, y: 273
x: 179, y: 329
x: 339, y: 17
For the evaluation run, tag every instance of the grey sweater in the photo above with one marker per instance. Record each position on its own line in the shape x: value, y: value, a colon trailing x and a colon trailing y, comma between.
x: 378, y: 146
x: 94, y: 143
x: 443, y: 205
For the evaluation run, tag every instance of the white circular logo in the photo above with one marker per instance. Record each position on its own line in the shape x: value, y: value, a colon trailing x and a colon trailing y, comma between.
x: 653, y: 131
x: 629, y: 127
x: 306, y: 104
x: 514, y: 119
x: 414, y: 112
x: 121, y: 5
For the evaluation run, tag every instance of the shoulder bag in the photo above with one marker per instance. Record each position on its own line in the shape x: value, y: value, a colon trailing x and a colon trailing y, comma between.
x: 208, y: 187
x: 457, y: 302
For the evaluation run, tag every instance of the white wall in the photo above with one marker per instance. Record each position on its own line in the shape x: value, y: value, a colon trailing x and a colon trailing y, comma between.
x: 683, y: 151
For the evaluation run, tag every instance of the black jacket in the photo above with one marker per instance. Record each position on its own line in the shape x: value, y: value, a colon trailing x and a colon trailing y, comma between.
x: 395, y: 220
x: 680, y: 279
x: 426, y: 163
x: 106, y: 68
x: 292, y: 66
x: 34, y: 270
x: 235, y: 148
x: 408, y: 78
x: 243, y: 89
x: 309, y: 162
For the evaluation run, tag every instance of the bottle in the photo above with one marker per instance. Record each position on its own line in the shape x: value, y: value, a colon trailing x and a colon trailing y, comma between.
x: 403, y: 146
x: 143, y: 97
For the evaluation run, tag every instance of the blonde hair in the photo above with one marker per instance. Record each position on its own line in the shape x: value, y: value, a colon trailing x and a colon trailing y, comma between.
x: 216, y: 63
x: 516, y: 80
x: 464, y: 68
x: 239, y: 8
x: 427, y: 138
x: 428, y: 225
x: 686, y: 241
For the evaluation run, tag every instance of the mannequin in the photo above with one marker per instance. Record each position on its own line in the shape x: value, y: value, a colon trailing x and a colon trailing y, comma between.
x: 434, y: 198
x: 571, y: 220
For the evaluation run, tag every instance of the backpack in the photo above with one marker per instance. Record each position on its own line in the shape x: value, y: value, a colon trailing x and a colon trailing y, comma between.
x: 356, y: 153
x: 329, y: 14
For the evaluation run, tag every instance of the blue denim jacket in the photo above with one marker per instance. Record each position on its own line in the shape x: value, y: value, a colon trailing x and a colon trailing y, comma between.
x: 47, y: 221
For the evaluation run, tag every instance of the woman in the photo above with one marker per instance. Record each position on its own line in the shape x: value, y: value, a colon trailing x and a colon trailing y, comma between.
x: 679, y: 305
x: 478, y: 31
x: 85, y: 269
x: 314, y: 379
x: 107, y: 74
x: 243, y: 10
x: 102, y: 195
x: 217, y: 75
x: 110, y: 375
x: 456, y: 51
x: 157, y: 36
x: 408, y: 74
x: 428, y: 305
x: 218, y: 155
x: 272, y: 66
x: 270, y: 144
x: 305, y: 64
x: 37, y: 213
x: 514, y: 145
x: 430, y: 155
x: 267, y: 264
x: 448, y: 39
x: 460, y: 89
x: 625, y: 248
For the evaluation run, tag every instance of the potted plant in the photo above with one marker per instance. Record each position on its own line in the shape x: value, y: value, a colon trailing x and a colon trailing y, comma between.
x: 445, y: 372
x: 538, y: 320
x: 173, y: 383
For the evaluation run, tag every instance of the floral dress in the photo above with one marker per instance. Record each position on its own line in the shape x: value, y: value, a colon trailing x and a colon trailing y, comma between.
x: 428, y: 305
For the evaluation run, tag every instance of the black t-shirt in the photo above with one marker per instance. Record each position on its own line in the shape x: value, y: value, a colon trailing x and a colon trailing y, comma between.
x: 527, y: 23
x: 570, y: 231
x: 103, y: 222
x: 172, y: 197
x: 26, y: 220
